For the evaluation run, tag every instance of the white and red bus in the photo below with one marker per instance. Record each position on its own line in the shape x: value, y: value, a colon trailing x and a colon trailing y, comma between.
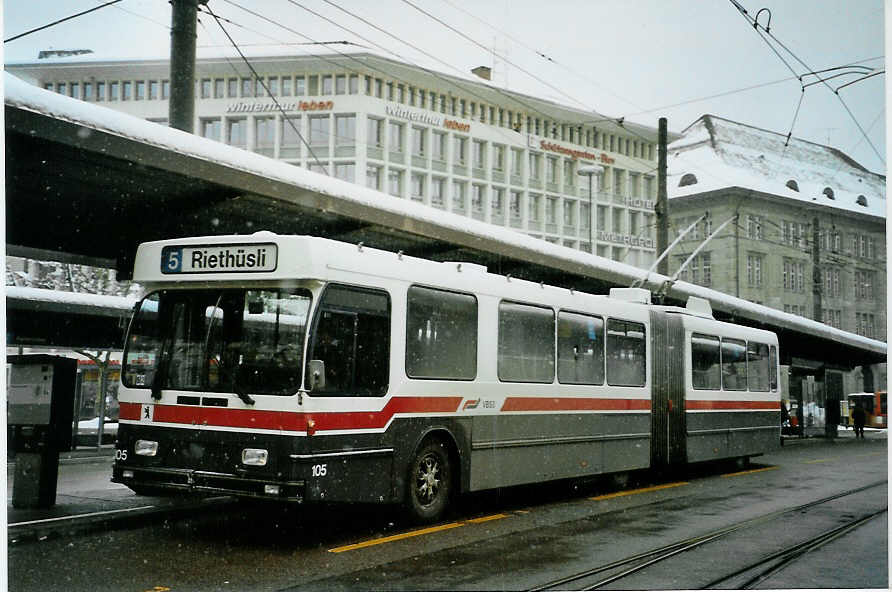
x: 302, y: 369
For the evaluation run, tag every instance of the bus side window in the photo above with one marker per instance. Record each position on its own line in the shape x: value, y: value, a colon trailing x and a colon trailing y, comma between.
x: 706, y: 364
x: 733, y: 364
x: 626, y: 353
x: 352, y: 340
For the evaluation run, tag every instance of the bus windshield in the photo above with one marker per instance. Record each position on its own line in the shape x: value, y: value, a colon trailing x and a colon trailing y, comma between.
x: 222, y: 341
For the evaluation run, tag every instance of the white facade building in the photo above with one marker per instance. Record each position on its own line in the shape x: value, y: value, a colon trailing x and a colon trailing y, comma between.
x: 464, y: 146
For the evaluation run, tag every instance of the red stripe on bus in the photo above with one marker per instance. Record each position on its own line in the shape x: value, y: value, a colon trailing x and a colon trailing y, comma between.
x: 289, y: 420
x: 731, y: 405
x: 574, y: 404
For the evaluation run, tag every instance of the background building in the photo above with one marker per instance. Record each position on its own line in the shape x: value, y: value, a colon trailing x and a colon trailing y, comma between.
x: 782, y: 191
x: 464, y: 146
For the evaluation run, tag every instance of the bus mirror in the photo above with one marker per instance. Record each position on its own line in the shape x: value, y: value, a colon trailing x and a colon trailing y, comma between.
x: 317, y: 374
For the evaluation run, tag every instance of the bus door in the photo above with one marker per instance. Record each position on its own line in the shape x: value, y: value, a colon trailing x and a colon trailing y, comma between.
x: 668, y: 427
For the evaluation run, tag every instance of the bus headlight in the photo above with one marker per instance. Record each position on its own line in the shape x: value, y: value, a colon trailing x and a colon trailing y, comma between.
x: 145, y: 448
x: 254, y: 457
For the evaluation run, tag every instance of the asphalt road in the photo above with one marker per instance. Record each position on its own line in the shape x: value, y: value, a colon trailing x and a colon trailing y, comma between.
x: 513, y: 539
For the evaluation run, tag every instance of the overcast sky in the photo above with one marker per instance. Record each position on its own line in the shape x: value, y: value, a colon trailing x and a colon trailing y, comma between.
x: 634, y: 58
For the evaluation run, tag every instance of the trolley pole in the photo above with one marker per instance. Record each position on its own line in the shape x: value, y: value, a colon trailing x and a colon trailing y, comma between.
x: 662, y: 209
x: 184, y: 15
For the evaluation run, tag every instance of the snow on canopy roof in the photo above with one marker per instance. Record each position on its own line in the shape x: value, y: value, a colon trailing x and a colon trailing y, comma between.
x: 57, y: 299
x: 25, y: 96
x: 723, y: 153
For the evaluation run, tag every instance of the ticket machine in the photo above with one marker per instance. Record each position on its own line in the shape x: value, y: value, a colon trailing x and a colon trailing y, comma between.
x: 40, y: 407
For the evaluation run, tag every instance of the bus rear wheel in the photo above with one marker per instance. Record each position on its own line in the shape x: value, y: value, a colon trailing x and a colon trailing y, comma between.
x: 429, y: 482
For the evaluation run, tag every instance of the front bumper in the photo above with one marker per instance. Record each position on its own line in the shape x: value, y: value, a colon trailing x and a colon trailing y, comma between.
x: 208, y: 482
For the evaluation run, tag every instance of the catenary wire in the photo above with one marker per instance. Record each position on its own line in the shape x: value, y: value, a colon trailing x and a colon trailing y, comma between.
x: 61, y: 20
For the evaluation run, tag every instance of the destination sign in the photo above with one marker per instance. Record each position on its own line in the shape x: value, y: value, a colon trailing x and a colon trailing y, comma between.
x: 219, y: 258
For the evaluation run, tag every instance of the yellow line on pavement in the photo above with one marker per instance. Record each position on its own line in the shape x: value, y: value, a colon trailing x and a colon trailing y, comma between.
x: 637, y: 491
x: 750, y: 472
x: 486, y: 518
x: 396, y: 537
x: 820, y: 460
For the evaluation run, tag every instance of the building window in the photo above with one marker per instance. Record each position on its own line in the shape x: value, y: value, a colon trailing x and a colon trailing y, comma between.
x: 438, y: 191
x: 515, y: 206
x: 395, y: 182
x: 533, y: 207
x: 354, y: 84
x: 219, y: 88
x: 864, y: 283
x: 699, y: 270
x: 516, y: 162
x: 313, y: 85
x: 498, y: 157
x: 459, y: 196
x: 114, y: 91
x: 497, y: 202
x: 236, y: 132
x: 865, y: 324
x: 395, y: 133
x: 140, y: 90
x: 247, y: 88
x: 291, y: 139
x: 346, y: 171
x: 831, y: 282
x: 341, y: 84
x: 210, y: 128
x: 319, y: 130
x: 460, y: 145
x: 438, y: 146
x: 417, y: 189
x: 373, y: 177
x: 88, y: 91
x: 300, y: 86
x: 259, y: 89
x: 375, y: 132
x: 273, y: 83
x: 419, y: 140
x: 794, y: 233
x: 126, y: 91
x: 535, y: 159
x: 345, y: 130
x: 569, y: 213
x: 165, y: 90
x: 327, y: 85
x: 794, y: 275
x: 551, y: 170
x: 286, y: 86
x: 264, y: 134
x: 205, y: 88
x: 754, y: 269
x: 754, y: 227
x: 479, y: 154
x: 477, y: 192
x: 100, y: 90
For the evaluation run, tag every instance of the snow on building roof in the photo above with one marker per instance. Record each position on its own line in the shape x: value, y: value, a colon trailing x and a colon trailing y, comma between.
x: 721, y: 153
x: 21, y: 297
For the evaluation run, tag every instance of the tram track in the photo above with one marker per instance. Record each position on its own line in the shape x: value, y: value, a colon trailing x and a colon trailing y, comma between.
x: 752, y: 574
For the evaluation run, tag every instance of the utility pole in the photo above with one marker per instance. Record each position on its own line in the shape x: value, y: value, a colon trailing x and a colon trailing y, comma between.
x: 662, y: 209
x: 817, y: 313
x: 184, y: 16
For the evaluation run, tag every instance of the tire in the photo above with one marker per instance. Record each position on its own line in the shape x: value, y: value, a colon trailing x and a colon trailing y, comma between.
x: 429, y: 482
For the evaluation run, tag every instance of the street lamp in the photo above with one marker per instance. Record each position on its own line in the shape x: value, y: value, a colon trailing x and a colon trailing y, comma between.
x: 590, y: 171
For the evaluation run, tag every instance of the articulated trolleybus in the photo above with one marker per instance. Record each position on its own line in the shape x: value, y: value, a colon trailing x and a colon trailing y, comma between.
x: 302, y: 369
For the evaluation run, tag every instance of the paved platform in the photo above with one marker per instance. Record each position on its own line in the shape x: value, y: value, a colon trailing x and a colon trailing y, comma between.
x: 87, y: 500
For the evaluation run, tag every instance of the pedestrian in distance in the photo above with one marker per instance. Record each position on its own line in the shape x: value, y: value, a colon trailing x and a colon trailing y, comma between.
x: 858, y: 417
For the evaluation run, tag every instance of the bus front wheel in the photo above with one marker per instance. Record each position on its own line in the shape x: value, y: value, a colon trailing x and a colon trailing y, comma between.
x: 429, y: 482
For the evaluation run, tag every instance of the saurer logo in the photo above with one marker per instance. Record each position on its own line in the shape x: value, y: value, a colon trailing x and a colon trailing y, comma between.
x: 470, y: 404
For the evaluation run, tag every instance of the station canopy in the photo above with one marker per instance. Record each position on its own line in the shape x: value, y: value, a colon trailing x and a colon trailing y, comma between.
x: 87, y: 184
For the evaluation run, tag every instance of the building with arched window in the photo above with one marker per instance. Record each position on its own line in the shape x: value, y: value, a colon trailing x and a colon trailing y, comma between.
x: 784, y: 195
x: 460, y: 145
